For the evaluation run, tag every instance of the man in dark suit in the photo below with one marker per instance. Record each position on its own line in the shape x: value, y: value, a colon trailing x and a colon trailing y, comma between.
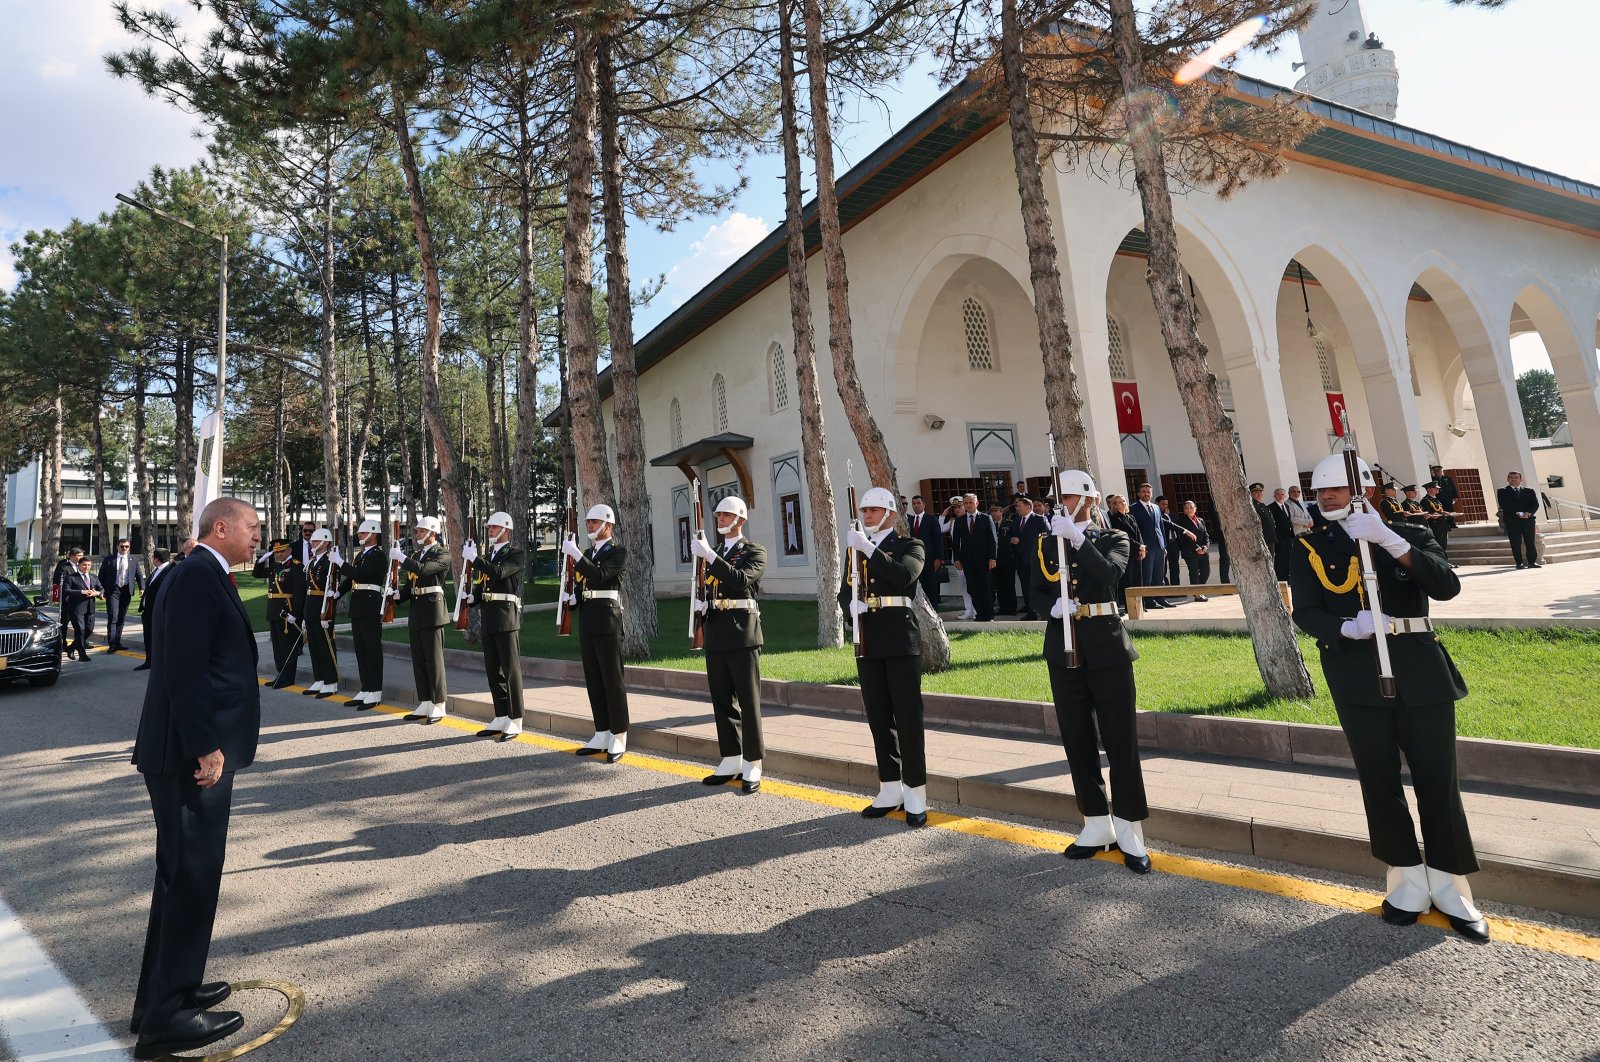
x: 977, y: 544
x: 1170, y: 529
x: 598, y: 599
x: 79, y: 590
x: 1283, y: 529
x: 200, y: 724
x: 1153, y: 565
x: 1032, y: 525
x: 1519, y: 509
x: 120, y: 575
x: 1193, y: 543
x: 925, y: 527
x: 497, y: 593
x: 147, y: 601
x: 66, y: 564
x: 733, y: 640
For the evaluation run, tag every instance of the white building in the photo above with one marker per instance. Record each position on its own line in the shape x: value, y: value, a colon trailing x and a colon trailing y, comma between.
x: 1387, y: 272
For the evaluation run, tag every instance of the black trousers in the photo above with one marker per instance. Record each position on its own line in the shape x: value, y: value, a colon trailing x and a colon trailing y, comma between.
x: 1427, y: 735
x: 1025, y: 582
x: 427, y: 663
x: 1199, y: 565
x: 602, y: 675
x: 117, y: 599
x: 1280, y: 557
x: 367, y: 633
x: 1520, y: 532
x: 1441, y: 533
x: 1172, y: 567
x: 1004, y: 580
x: 1106, y: 697
x: 149, y: 636
x: 324, y: 658
x: 191, y: 843
x: 287, y: 642
x: 734, y: 676
x: 891, y: 692
x: 502, y: 663
x: 81, y: 619
x: 980, y: 583
x: 930, y: 584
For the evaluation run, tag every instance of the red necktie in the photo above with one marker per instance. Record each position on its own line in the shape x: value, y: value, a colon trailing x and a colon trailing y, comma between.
x: 232, y: 580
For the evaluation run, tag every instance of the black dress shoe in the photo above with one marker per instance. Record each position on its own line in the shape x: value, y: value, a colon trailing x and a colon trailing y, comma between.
x: 205, y: 997
x: 143, y: 667
x: 191, y: 1035
x: 1083, y: 851
x: 1137, y: 864
x: 615, y: 757
x: 915, y: 819
x: 326, y: 693
x: 414, y: 716
x: 1531, y: 564
x: 872, y: 811
x: 1396, y: 916
x: 308, y: 692
x: 586, y: 751
x: 1476, y: 931
x: 1521, y: 566
x: 429, y: 720
x: 486, y: 732
x: 283, y: 684
x: 717, y: 779
x: 747, y: 787
x: 362, y: 706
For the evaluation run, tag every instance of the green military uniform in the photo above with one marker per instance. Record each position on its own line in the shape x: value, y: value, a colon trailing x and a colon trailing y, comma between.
x: 286, y: 597
x: 362, y: 582
x: 1441, y: 522
x: 321, y: 580
x: 422, y: 583
x: 598, y: 587
x: 733, y: 646
x: 497, y: 594
x: 1392, y: 511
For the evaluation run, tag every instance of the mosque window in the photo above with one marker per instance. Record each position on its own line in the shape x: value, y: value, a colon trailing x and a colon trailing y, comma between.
x: 975, y: 319
x: 780, y: 380
x: 677, y: 424
x: 1325, y: 365
x: 719, y: 402
x: 1118, y: 360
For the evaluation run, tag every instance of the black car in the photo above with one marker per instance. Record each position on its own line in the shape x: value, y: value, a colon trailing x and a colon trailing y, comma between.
x: 31, y: 640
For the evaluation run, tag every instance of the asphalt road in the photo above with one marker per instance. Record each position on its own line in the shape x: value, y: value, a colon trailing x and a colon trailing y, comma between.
x: 440, y: 896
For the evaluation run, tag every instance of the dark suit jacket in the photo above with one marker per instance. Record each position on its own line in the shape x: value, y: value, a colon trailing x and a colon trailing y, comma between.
x: 1514, y: 500
x: 1030, y: 530
x: 600, y: 570
x: 1269, y: 526
x: 892, y: 571
x: 980, y: 545
x: 1281, y: 521
x: 737, y: 575
x: 498, y: 574
x: 1151, y: 534
x: 1093, y: 571
x: 1195, y: 527
x: 108, y: 574
x: 74, y: 597
x: 148, y: 598
x: 928, y: 534
x: 202, y: 695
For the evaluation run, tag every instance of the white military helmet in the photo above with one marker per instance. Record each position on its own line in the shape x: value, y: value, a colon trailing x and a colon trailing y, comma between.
x: 878, y: 498
x: 428, y: 523
x: 499, y: 520
x: 369, y: 527
x: 733, y: 505
x: 1330, y: 472
x: 1077, y: 481
x: 603, y: 513
x: 322, y: 534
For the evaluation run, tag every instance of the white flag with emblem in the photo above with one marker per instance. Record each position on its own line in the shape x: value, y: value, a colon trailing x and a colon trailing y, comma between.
x: 207, y: 471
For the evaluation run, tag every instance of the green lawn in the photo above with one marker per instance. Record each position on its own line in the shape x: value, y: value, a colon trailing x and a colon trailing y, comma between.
x: 1526, y: 685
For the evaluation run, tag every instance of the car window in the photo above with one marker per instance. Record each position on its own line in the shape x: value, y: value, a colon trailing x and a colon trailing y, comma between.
x: 12, y: 598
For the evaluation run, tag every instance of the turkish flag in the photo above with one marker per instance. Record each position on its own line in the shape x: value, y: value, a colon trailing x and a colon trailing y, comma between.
x: 1336, y: 410
x: 1130, y: 418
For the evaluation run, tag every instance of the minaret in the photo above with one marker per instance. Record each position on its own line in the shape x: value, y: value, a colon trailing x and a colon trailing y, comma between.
x: 1345, y: 62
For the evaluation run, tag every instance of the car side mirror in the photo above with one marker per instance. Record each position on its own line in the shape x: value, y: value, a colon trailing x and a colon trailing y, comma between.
x: 39, y: 601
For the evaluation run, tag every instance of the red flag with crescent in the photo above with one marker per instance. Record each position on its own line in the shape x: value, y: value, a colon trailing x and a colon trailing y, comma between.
x: 1130, y: 418
x: 1336, y: 410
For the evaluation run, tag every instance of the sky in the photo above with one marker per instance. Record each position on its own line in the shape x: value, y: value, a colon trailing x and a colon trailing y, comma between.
x: 1512, y: 81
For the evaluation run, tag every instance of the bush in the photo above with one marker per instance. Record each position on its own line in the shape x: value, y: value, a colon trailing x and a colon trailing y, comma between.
x: 25, y: 573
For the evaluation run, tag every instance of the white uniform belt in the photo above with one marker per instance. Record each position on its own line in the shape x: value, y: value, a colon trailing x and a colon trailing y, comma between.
x: 513, y: 598
x: 374, y: 587
x: 1409, y: 624
x: 603, y: 595
x: 725, y: 603
x: 1098, y: 608
x: 428, y: 590
x: 875, y: 603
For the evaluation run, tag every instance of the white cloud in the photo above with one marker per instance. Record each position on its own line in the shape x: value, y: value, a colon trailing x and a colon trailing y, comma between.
x: 55, y: 67
x: 719, y: 248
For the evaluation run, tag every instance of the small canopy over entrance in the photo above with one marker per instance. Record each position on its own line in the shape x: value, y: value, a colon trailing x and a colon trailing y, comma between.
x: 727, y: 445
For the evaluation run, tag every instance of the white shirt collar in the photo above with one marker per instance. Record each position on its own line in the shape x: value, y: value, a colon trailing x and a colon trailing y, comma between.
x: 878, y: 537
x: 220, y: 560
x: 729, y: 543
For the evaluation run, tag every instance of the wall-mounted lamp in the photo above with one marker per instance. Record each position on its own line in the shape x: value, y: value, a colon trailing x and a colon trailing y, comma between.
x: 933, y: 421
x: 1460, y: 433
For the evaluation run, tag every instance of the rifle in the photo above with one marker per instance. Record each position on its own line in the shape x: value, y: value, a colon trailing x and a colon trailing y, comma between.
x: 462, y: 615
x: 697, y: 619
x: 390, y: 583
x: 1369, y: 574
x: 1069, y: 621
x: 563, y: 611
x: 329, y: 603
x: 858, y: 566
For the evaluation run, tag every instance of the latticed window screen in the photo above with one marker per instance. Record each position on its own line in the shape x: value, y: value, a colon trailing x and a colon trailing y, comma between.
x: 677, y: 424
x: 1120, y: 369
x: 780, y: 380
x: 1325, y: 366
x: 980, y: 354
x: 719, y: 402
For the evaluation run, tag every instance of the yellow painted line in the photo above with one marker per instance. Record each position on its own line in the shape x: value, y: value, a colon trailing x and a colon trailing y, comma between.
x: 1504, y: 930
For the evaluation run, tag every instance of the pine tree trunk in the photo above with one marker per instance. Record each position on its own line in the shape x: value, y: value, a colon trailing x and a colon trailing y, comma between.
x: 1062, y: 402
x: 401, y: 406
x: 857, y: 410
x: 639, y: 622
x: 279, y: 427
x: 5, y: 537
x: 141, y: 470
x: 528, y: 428
x: 577, y: 243
x: 1271, y: 631
x: 98, y: 465
x: 813, y: 437
x: 332, y: 493
x: 369, y: 407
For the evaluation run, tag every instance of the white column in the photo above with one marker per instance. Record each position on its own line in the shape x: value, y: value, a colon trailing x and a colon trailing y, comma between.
x: 1494, y: 394
x: 1261, y: 412
x: 1578, y: 379
x: 1091, y: 353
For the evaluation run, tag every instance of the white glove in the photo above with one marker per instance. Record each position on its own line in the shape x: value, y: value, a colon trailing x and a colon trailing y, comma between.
x: 1062, y: 607
x: 1065, y: 527
x: 572, y: 599
x: 333, y: 595
x: 292, y: 618
x: 1360, y: 628
x: 391, y: 591
x: 570, y: 548
x: 858, y: 540
x: 701, y: 605
x: 1369, y: 527
x: 338, y: 558
x: 702, y: 549
x: 328, y: 624
x: 471, y: 598
x: 264, y: 556
x: 858, y: 608
x: 396, y: 553
x: 469, y: 552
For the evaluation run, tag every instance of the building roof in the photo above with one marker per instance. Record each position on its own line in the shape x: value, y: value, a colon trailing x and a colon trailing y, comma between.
x: 1349, y: 141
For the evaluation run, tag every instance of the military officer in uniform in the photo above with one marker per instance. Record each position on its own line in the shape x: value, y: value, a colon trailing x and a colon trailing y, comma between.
x: 597, y: 595
x: 1416, y: 515
x: 733, y: 643
x: 1440, y: 521
x: 364, y: 580
x: 1093, y: 690
x: 286, y: 600
x: 422, y: 574
x: 322, y: 583
x: 497, y: 593
x: 890, y: 665
x: 1420, y: 722
x: 1389, y: 506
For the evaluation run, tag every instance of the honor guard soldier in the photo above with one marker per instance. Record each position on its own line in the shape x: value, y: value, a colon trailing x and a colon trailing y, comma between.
x: 1389, y: 506
x: 321, y: 584
x: 497, y: 593
x: 1416, y: 515
x: 364, y: 582
x: 733, y: 643
x: 422, y: 573
x: 889, y: 664
x: 1440, y: 521
x: 1092, y: 685
x: 597, y: 596
x: 1419, y: 720
x: 286, y: 601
